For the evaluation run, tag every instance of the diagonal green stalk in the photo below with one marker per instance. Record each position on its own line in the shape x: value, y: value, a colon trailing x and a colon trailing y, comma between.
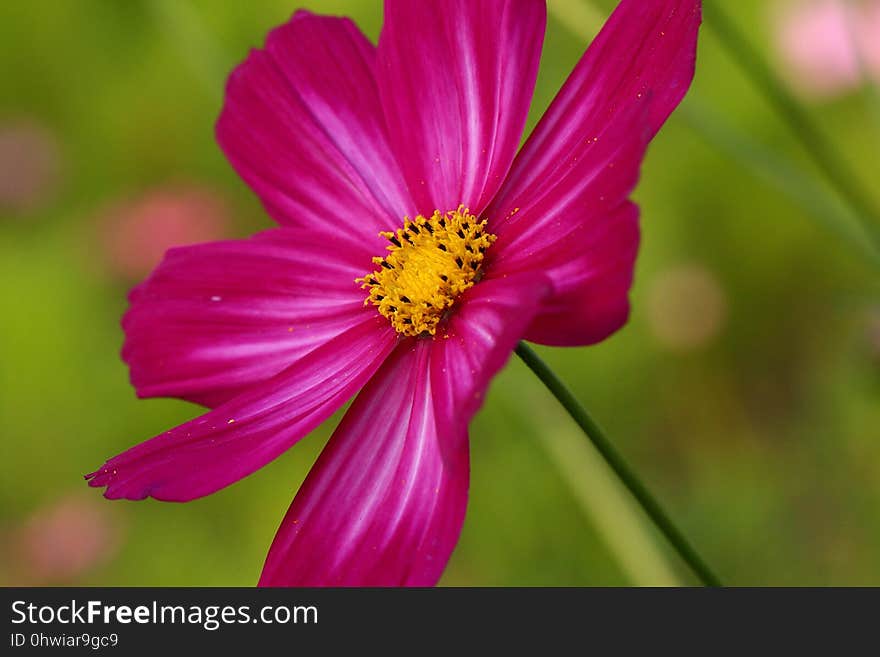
x: 814, y: 199
x: 604, y: 501
x: 618, y: 464
x: 817, y: 145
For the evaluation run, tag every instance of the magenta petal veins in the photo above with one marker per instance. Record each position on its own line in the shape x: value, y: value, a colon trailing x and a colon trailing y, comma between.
x: 417, y: 248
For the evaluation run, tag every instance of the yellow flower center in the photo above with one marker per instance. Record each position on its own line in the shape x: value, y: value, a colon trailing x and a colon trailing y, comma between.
x: 431, y: 261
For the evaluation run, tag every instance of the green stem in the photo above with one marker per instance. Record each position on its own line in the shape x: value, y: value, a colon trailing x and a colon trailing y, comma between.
x: 603, y: 499
x: 817, y: 145
x: 642, y: 495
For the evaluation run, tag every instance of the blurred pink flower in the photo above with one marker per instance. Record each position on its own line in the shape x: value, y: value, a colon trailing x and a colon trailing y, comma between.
x: 136, y: 233
x: 62, y: 541
x: 29, y: 164
x: 828, y: 47
x: 686, y: 307
x: 869, y: 37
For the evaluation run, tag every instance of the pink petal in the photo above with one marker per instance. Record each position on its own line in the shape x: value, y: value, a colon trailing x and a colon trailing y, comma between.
x: 216, y: 318
x: 244, y: 434
x: 456, y: 79
x: 646, y: 51
x: 385, y: 502
x: 546, y: 229
x: 302, y: 124
x: 568, y: 184
x: 480, y: 337
x: 380, y: 507
x: 592, y: 293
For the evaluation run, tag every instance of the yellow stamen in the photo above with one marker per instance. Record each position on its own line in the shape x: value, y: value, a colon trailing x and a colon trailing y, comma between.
x: 431, y: 261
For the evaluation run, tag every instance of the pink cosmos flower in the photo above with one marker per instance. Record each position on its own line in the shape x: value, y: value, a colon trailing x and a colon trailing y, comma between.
x: 136, y: 233
x: 63, y: 541
x: 30, y: 165
x: 416, y: 248
x: 828, y: 47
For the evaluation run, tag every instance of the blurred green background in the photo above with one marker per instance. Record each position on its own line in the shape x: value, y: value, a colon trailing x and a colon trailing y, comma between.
x: 744, y: 389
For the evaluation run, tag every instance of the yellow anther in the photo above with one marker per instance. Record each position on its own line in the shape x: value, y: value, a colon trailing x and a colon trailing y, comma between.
x: 431, y: 261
